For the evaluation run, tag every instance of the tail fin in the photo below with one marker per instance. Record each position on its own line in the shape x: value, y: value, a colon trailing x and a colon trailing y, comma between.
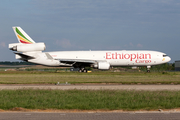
x: 22, y: 36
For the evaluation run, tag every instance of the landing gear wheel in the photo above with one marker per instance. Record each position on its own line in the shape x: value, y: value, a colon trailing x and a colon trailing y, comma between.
x: 80, y: 70
x: 85, y: 71
x: 148, y: 69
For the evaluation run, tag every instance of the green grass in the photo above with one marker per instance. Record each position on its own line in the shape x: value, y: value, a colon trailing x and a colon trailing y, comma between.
x: 22, y: 77
x: 89, y: 99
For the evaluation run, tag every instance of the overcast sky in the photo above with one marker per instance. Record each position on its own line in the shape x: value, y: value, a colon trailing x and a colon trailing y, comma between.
x: 93, y: 25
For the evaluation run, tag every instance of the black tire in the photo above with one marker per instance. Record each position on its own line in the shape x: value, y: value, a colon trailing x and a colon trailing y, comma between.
x: 85, y: 71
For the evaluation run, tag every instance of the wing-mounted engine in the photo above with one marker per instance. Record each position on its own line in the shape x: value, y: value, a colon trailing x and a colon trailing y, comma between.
x: 19, y: 47
x: 102, y: 66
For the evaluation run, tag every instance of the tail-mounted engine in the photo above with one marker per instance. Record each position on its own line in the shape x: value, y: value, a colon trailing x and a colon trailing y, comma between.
x: 19, y: 47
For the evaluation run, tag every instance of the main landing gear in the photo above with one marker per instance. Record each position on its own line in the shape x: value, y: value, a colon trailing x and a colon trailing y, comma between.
x: 82, y: 70
x: 148, y: 69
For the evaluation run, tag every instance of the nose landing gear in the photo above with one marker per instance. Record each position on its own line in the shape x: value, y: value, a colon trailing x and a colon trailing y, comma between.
x: 148, y: 69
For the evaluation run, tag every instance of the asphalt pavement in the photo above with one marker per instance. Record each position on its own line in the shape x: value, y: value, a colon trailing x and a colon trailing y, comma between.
x: 91, y: 87
x: 89, y: 116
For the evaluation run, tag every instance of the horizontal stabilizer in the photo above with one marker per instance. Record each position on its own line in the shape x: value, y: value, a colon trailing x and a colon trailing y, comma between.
x: 24, y: 56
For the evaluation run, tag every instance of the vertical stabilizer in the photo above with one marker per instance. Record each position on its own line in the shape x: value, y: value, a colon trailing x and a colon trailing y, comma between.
x: 22, y: 36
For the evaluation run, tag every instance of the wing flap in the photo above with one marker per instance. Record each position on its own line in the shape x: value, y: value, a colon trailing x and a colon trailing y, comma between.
x: 77, y: 63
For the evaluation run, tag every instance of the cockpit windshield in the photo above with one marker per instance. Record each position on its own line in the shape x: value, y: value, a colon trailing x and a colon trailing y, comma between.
x: 165, y: 55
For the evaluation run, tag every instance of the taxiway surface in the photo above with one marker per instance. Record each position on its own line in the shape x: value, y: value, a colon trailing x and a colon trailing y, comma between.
x: 92, y: 87
x: 89, y: 116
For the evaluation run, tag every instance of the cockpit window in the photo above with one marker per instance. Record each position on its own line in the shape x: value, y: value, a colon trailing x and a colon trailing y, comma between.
x: 165, y: 55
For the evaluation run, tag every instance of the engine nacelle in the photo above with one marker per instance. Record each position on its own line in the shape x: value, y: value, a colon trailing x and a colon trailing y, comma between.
x: 19, y: 47
x: 102, y: 65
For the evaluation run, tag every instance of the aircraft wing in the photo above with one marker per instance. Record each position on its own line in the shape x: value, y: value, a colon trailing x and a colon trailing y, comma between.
x: 77, y: 63
x: 75, y: 60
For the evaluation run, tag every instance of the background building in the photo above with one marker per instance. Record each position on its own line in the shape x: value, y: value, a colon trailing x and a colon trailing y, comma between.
x: 177, y: 65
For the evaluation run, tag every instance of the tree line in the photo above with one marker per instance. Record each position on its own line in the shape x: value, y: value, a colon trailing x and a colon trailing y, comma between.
x: 15, y: 63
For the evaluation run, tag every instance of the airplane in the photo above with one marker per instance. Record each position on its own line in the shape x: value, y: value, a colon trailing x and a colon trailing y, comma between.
x: 28, y: 50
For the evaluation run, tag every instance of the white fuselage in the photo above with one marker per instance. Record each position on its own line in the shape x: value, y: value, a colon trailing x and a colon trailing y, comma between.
x: 115, y: 58
x: 30, y: 51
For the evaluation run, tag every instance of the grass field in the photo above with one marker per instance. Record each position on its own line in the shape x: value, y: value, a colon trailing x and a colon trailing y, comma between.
x: 24, y: 77
x: 89, y: 99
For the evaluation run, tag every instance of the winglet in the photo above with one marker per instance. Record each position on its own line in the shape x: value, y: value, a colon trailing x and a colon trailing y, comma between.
x: 22, y: 36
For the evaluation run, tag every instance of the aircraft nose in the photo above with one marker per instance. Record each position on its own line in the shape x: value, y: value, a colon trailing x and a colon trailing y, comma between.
x: 168, y: 59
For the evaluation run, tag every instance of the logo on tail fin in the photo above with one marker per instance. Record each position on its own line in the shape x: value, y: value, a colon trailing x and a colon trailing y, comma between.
x: 22, y: 36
